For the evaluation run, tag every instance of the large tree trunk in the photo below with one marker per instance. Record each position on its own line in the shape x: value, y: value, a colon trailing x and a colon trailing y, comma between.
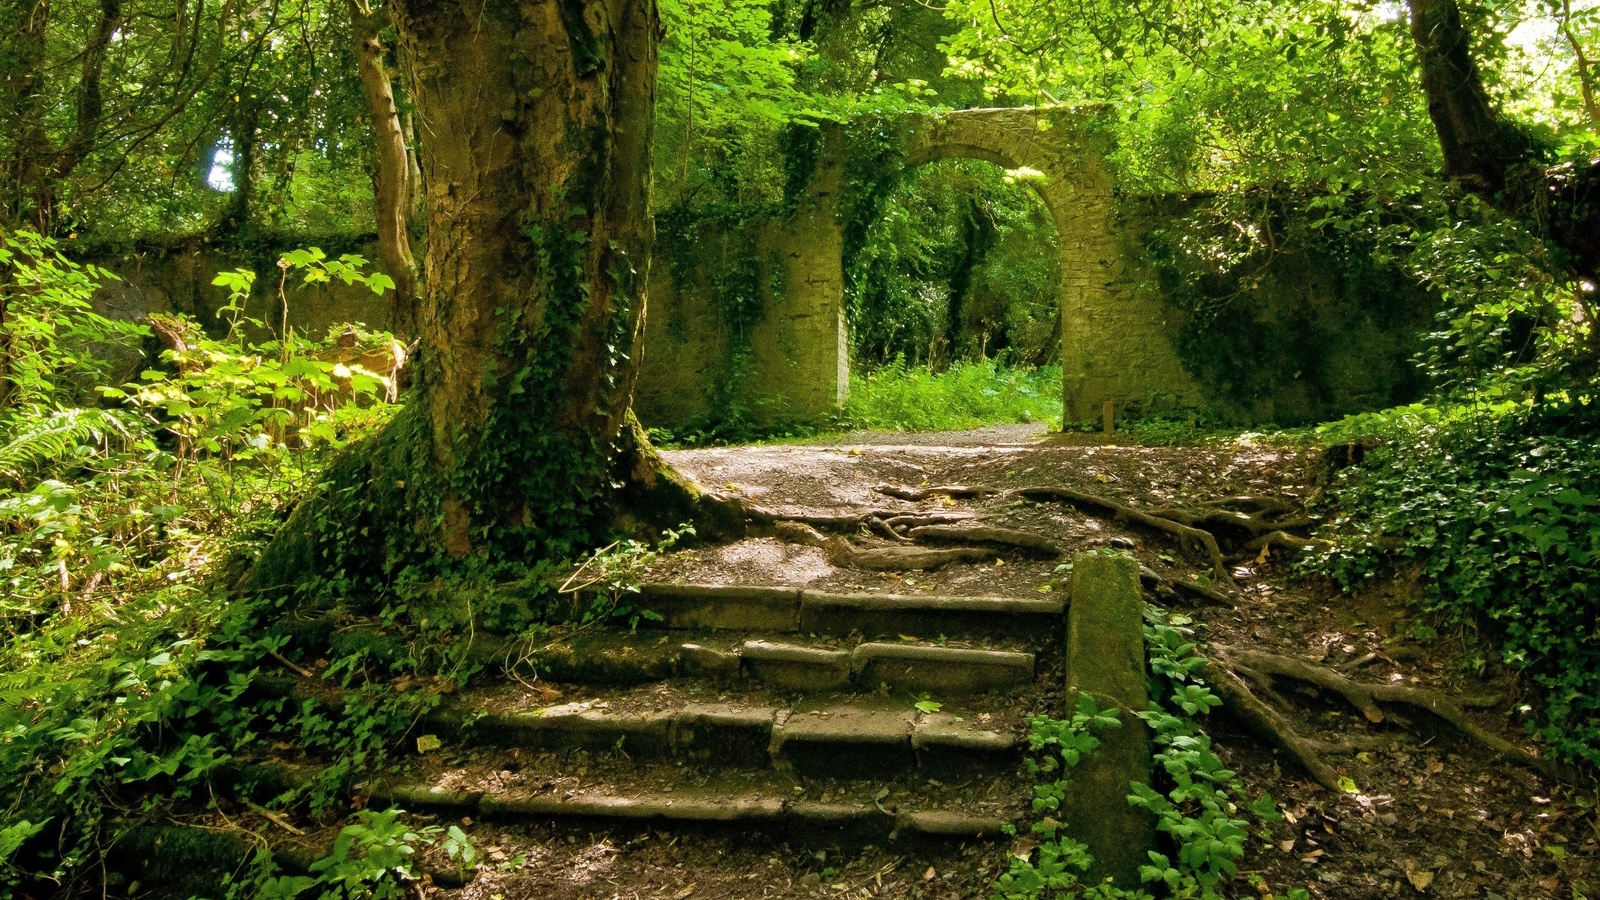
x: 1486, y: 155
x: 392, y: 190
x: 537, y: 116
x: 1479, y: 147
x: 22, y: 53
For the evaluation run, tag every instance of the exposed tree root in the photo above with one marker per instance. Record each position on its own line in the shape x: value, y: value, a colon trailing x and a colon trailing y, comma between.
x: 1249, y: 515
x: 1284, y: 539
x: 1190, y: 537
x: 1203, y: 592
x: 1268, y: 724
x: 986, y: 534
x: 662, y: 497
x: 837, y: 521
x: 842, y: 552
x: 799, y: 533
x: 879, y: 526
x: 1195, y: 539
x: 1232, y: 667
x: 918, y: 494
x: 918, y: 520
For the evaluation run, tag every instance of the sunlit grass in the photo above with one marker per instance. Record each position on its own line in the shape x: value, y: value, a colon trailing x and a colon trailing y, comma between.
x: 897, y: 397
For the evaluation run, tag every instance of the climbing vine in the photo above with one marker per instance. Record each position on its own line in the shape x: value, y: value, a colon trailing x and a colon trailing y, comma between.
x: 1197, y: 802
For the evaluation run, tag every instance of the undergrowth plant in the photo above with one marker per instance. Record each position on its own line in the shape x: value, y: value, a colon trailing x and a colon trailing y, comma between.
x: 125, y: 669
x: 1500, y: 515
x: 373, y: 858
x: 969, y: 394
x: 1199, y: 805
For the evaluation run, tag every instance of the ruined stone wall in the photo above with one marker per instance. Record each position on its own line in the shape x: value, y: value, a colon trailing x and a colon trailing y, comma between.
x: 179, y: 280
x: 745, y: 318
x: 1117, y: 344
x: 1316, y: 334
x: 787, y: 361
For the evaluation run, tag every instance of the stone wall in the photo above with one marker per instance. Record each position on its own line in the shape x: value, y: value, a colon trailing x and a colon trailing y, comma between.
x: 1116, y: 344
x: 745, y: 319
x: 1317, y: 333
x: 1314, y: 340
x: 179, y: 280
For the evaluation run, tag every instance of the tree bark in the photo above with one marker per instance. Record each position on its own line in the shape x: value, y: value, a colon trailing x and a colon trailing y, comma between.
x: 538, y: 117
x: 391, y: 179
x: 1489, y: 157
x: 1479, y: 148
x: 21, y: 83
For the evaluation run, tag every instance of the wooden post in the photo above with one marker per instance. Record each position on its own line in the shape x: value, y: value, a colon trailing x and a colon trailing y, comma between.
x: 1108, y: 423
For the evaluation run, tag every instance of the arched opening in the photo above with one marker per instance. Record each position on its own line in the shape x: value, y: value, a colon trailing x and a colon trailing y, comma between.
x: 960, y: 264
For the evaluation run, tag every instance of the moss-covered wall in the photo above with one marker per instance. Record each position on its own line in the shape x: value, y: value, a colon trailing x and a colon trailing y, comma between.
x: 1307, y: 334
x: 178, y: 279
x: 745, y: 323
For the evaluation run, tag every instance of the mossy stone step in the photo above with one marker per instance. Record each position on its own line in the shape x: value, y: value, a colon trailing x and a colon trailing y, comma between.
x: 717, y: 607
x: 847, y: 741
x: 807, y: 819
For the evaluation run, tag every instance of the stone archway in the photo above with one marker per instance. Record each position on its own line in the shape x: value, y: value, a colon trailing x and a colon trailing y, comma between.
x: 1115, y: 344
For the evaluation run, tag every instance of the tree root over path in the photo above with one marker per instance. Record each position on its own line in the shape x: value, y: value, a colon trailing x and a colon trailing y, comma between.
x: 1026, y: 541
x: 1232, y: 672
x: 1192, y: 538
x: 1205, y: 592
x: 842, y: 552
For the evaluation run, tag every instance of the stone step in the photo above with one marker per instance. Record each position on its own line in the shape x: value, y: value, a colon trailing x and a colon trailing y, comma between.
x: 664, y: 800
x: 625, y: 659
x: 716, y: 607
x: 913, y: 667
x: 867, y: 738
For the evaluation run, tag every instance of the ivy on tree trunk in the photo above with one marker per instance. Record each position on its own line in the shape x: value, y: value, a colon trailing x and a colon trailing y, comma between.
x: 537, y: 116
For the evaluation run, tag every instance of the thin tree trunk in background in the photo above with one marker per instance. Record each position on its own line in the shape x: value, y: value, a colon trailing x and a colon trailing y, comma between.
x: 416, y: 209
x: 91, y: 99
x: 27, y: 22
x: 243, y: 133
x: 1585, y: 71
x: 392, y: 191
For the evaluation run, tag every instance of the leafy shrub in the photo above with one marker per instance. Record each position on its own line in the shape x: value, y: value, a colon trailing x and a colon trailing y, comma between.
x: 1503, y: 520
x: 121, y: 664
x: 898, y: 397
x: 1194, y: 798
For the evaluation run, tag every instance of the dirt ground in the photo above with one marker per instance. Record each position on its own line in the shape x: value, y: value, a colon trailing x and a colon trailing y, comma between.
x: 1433, y: 813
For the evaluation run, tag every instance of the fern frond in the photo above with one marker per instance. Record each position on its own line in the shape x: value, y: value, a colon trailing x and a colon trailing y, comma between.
x: 52, y: 435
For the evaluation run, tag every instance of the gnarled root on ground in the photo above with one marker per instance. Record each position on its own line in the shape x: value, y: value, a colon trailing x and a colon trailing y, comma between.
x: 842, y: 552
x: 1025, y: 541
x: 1203, y: 592
x: 1249, y: 515
x: 1232, y: 672
x: 1251, y: 523
x: 662, y: 497
x: 918, y: 494
x: 1194, y: 539
x: 1285, y: 539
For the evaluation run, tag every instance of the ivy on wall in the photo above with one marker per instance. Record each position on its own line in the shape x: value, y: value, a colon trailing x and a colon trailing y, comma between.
x: 1282, y: 319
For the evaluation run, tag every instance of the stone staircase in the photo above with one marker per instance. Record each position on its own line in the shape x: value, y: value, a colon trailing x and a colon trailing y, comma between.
x: 840, y: 719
